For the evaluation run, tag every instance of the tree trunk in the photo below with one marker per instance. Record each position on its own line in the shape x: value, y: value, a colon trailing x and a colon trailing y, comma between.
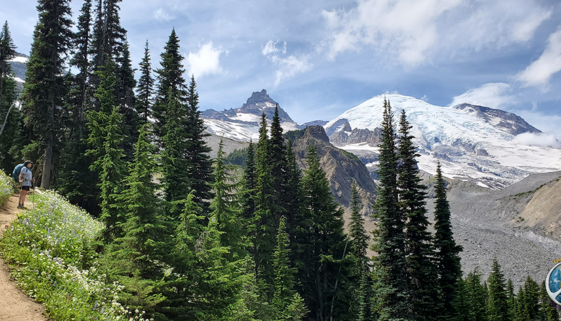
x: 47, y: 164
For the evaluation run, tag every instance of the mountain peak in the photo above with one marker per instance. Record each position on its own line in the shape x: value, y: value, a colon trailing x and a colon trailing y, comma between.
x: 259, y: 97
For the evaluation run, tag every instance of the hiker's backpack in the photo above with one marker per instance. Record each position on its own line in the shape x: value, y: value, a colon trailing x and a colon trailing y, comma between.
x: 16, y: 172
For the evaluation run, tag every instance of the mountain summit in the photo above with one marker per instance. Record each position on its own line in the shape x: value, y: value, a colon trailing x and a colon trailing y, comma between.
x: 472, y: 142
x: 243, y: 123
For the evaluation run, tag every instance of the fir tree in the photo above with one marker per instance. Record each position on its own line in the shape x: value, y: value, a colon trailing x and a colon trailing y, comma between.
x: 511, y: 300
x: 96, y: 48
x: 197, y: 153
x: 170, y: 83
x: 447, y: 252
x: 359, y: 245
x: 265, y: 227
x: 423, y: 295
x: 531, y: 302
x: 549, y: 311
x: 175, y: 167
x: 323, y: 270
x: 113, y: 34
x: 145, y: 88
x: 277, y: 159
x: 225, y: 208
x: 461, y: 308
x: 124, y: 94
x: 476, y: 297
x: 10, y: 116
x: 247, y: 196
x: 7, y: 52
x: 44, y: 87
x: 133, y: 255
x: 498, y: 305
x: 390, y: 264
x: 104, y: 141
x: 284, y: 273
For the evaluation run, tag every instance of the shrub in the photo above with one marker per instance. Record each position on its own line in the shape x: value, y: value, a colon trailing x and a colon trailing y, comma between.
x: 50, y: 249
x: 6, y: 188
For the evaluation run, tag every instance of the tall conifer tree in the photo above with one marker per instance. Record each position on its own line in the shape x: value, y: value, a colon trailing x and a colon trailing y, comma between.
x: 284, y: 273
x: 359, y: 246
x: 44, y: 87
x: 277, y: 159
x: 104, y: 142
x: 10, y: 116
x: 476, y: 297
x: 265, y: 227
x: 390, y: 264
x: 145, y: 88
x: 170, y: 83
x: 498, y: 305
x: 447, y: 252
x: 247, y: 197
x: 124, y: 94
x: 197, y: 153
x: 324, y: 270
x: 423, y: 295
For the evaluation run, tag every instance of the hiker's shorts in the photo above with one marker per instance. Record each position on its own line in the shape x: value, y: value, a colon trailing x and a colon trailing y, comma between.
x: 25, y: 188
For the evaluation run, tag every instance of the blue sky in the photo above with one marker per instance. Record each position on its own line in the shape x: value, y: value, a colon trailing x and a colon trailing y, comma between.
x: 320, y: 58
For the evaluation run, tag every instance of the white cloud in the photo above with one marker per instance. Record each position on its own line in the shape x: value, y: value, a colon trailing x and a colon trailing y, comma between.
x: 543, y: 140
x: 547, y: 123
x: 540, y: 71
x: 492, y: 95
x: 415, y: 30
x: 288, y: 66
x: 206, y: 61
x: 163, y: 15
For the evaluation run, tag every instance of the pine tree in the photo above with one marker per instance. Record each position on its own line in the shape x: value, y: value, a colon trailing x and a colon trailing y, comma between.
x: 247, y: 198
x: 511, y: 300
x: 44, y: 87
x: 461, y: 305
x: 145, y: 88
x: 197, y: 153
x: 498, y: 305
x: 284, y: 273
x: 423, y: 295
x: 324, y: 270
x: 225, y: 208
x: 124, y: 94
x: 104, y: 141
x: 531, y: 302
x: 265, y: 227
x: 133, y: 255
x: 357, y: 251
x: 522, y: 313
x: 390, y: 264
x: 447, y: 252
x: 170, y: 83
x: 96, y: 49
x: 277, y: 159
x: 113, y: 34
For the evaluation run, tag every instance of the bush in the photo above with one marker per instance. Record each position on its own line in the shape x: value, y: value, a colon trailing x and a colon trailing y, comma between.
x: 6, y: 187
x: 50, y: 249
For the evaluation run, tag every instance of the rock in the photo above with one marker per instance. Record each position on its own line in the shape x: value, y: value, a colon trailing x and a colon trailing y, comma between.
x: 503, y: 120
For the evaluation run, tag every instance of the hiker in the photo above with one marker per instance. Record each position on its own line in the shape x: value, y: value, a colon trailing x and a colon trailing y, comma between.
x: 26, y: 179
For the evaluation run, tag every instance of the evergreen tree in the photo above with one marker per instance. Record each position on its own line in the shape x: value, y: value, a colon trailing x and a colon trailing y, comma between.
x: 511, y: 300
x: 145, y: 88
x: 531, y: 302
x: 170, y: 83
x: 358, y: 247
x: 324, y: 271
x: 104, y: 141
x: 10, y: 116
x: 247, y: 197
x: 175, y: 167
x: 461, y: 304
x: 44, y: 87
x: 265, y: 227
x: 549, y: 311
x: 7, y: 52
x: 284, y: 273
x: 421, y: 271
x: 197, y: 152
x: 133, y: 255
x: 277, y: 159
x: 124, y: 94
x: 447, y: 252
x: 522, y: 313
x: 476, y: 297
x: 498, y: 304
x: 96, y: 49
x: 225, y: 208
x: 113, y: 34
x: 390, y: 264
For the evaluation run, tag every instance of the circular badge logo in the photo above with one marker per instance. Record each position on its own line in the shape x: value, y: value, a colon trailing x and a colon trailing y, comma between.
x: 553, y: 284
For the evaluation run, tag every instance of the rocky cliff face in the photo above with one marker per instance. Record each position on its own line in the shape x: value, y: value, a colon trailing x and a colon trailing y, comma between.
x: 503, y: 120
x: 340, y: 166
x: 347, y: 136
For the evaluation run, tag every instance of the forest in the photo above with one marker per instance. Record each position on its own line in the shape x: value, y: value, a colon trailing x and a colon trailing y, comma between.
x: 180, y: 236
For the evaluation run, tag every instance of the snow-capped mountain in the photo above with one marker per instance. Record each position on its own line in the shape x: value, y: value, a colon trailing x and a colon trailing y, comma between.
x: 18, y: 66
x: 471, y: 142
x: 242, y: 123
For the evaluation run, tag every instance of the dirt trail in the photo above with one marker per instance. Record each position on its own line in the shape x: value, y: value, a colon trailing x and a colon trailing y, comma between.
x: 15, y: 305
